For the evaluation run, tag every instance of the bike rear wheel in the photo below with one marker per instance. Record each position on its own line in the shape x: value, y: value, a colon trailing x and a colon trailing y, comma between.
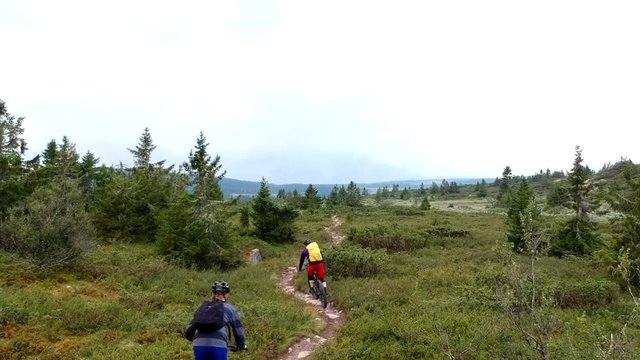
x: 320, y: 292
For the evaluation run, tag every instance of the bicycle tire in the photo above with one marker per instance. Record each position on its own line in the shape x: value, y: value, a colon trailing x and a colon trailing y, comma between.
x: 322, y: 295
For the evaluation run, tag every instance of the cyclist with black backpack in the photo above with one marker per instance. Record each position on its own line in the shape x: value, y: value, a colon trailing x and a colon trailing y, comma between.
x: 209, y: 329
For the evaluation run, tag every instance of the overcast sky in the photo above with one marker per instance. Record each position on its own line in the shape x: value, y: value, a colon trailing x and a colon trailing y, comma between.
x: 330, y: 91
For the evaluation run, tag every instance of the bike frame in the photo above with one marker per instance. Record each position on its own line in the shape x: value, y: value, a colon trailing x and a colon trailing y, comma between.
x: 319, y: 291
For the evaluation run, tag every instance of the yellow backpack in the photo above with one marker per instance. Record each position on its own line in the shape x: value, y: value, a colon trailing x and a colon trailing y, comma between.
x: 314, y: 252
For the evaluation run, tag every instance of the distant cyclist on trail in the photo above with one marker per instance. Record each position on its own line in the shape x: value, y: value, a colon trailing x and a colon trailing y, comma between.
x: 312, y: 252
x: 209, y: 329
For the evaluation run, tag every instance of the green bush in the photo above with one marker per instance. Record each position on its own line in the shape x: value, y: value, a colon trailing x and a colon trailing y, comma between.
x: 11, y: 313
x: 353, y: 261
x: 586, y: 293
x: 79, y: 317
x: 51, y: 228
x: 382, y: 236
x: 395, y: 238
x: 442, y: 232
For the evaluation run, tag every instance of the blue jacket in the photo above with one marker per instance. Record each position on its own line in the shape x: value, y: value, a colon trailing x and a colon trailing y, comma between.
x: 220, y: 337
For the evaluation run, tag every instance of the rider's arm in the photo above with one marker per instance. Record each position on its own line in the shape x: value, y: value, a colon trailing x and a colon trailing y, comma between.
x: 190, y: 331
x: 303, y: 255
x: 237, y: 328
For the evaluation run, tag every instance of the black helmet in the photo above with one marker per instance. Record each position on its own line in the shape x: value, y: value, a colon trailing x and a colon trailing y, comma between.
x: 307, y: 241
x: 220, y: 287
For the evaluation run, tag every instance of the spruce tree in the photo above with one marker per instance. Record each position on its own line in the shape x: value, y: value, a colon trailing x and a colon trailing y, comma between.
x: 519, y: 201
x: 12, y: 148
x: 378, y: 195
x: 50, y: 153
x: 505, y: 187
x: 385, y: 192
x: 129, y: 205
x: 342, y: 195
x: 482, y: 189
x: 425, y: 204
x: 311, y: 199
x: 204, y: 175
x: 193, y: 239
x: 444, y: 187
x: 625, y: 199
x: 67, y: 159
x: 193, y: 228
x: 577, y: 236
x: 273, y: 223
x: 352, y: 196
x: 404, y: 194
x: 295, y: 200
x: 332, y: 199
x: 90, y: 174
x: 142, y: 152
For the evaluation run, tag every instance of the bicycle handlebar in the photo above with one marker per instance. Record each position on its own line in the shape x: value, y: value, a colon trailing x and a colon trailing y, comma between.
x: 234, y: 348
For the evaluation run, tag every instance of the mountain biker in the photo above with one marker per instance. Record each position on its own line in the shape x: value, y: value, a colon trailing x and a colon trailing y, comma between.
x: 212, y: 345
x: 312, y: 253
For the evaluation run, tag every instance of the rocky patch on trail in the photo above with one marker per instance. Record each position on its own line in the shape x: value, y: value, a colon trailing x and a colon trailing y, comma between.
x: 334, y: 231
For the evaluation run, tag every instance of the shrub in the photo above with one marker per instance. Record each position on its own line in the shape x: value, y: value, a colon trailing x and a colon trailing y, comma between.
x: 382, y: 236
x: 586, y: 293
x: 51, y: 228
x: 394, y: 238
x: 440, y: 231
x: 354, y: 261
x: 425, y: 204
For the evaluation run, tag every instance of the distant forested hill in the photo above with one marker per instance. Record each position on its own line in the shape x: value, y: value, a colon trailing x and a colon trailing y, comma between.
x: 244, y: 189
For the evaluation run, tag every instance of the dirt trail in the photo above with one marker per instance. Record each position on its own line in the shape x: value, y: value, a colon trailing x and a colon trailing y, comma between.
x: 332, y: 318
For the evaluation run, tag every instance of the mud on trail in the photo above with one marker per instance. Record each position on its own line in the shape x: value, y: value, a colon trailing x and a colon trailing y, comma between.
x: 330, y: 317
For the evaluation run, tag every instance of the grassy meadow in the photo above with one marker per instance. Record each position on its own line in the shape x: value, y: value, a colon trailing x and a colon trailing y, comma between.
x: 413, y: 285
x: 438, y: 300
x: 125, y: 302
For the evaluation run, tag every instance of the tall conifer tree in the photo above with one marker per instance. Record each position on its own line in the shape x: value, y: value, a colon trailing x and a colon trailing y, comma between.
x: 577, y: 236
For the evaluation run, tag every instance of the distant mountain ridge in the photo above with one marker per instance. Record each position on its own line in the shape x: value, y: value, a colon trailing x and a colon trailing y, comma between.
x: 243, y: 188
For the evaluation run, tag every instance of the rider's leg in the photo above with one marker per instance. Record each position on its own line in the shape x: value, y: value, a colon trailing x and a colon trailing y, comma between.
x: 310, y: 270
x: 321, y: 275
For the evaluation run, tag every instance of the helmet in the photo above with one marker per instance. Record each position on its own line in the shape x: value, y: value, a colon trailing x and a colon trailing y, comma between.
x: 307, y: 241
x: 220, y: 287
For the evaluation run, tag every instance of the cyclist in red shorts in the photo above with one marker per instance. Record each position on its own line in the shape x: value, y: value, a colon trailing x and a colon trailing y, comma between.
x: 312, y: 253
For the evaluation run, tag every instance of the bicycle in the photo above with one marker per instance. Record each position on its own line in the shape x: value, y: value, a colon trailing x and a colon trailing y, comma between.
x: 318, y: 290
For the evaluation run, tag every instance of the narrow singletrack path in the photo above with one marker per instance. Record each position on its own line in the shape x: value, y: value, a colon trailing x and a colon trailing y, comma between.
x: 331, y: 318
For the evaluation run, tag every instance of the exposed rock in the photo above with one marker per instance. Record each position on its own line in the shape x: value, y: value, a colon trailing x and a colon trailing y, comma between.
x: 255, y: 256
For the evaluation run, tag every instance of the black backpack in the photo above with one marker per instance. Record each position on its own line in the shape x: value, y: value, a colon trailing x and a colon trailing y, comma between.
x: 209, y: 316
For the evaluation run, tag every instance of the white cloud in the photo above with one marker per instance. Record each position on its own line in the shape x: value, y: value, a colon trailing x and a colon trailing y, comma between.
x: 439, y: 89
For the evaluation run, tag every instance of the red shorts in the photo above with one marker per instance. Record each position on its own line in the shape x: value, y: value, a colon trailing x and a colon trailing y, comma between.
x: 317, y: 267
